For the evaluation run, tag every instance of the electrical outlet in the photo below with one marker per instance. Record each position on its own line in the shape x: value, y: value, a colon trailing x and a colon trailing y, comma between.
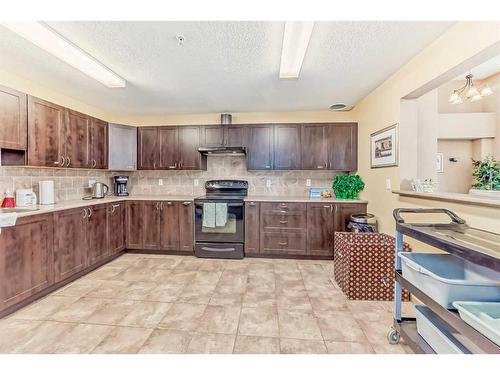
x: 388, y: 185
x: 308, y: 182
x: 196, y: 182
x: 268, y: 183
x: 160, y: 182
x: 91, y: 183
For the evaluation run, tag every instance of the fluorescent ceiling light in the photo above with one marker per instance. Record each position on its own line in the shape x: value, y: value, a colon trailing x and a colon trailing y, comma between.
x: 49, y: 40
x: 295, y: 41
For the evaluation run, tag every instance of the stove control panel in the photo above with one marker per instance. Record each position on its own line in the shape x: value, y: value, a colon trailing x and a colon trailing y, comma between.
x: 226, y: 185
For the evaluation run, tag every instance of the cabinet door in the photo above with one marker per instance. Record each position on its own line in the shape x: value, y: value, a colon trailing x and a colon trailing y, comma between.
x: 234, y: 135
x: 122, y: 143
x: 169, y: 225
x: 343, y: 212
x: 186, y: 227
x: 134, y: 225
x: 189, y: 141
x: 46, y: 123
x: 13, y: 121
x: 314, y: 150
x: 343, y: 147
x: 320, y: 217
x: 212, y: 136
x: 77, y: 140
x: 252, y: 226
x: 287, y: 147
x: 26, y: 259
x: 97, y: 233
x: 169, y: 148
x: 151, y: 225
x: 70, y: 242
x: 260, y: 147
x: 148, y: 149
x: 116, y: 227
x: 99, y: 144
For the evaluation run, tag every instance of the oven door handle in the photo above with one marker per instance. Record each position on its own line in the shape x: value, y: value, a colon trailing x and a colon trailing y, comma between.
x: 228, y: 204
x: 218, y: 250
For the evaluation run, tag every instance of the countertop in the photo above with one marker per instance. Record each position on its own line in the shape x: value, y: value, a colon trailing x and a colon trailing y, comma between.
x: 66, y: 205
x: 452, y: 197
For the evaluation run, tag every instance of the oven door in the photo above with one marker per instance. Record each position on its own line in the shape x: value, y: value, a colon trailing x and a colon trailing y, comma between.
x: 233, y: 231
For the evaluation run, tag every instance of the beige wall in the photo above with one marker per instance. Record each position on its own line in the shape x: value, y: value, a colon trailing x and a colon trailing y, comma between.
x: 381, y: 108
x: 457, y: 176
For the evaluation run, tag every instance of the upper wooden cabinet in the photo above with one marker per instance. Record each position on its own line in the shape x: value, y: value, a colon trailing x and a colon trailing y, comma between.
x: 287, y: 149
x: 260, y: 143
x: 343, y: 147
x: 13, y: 126
x: 98, y: 144
x: 314, y: 146
x: 170, y: 147
x: 77, y: 140
x: 222, y: 135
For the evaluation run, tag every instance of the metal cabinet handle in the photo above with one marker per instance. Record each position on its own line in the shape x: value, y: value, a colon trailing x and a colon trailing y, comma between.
x: 320, y: 167
x: 326, y: 206
x: 84, y: 213
x: 94, y: 163
x: 157, y: 206
x: 283, y: 221
x: 68, y: 161
x: 268, y: 166
x: 283, y: 243
x: 90, y: 212
x: 169, y: 203
x: 283, y: 205
x: 172, y: 166
x: 252, y: 204
x: 60, y: 163
x: 186, y: 203
x: 114, y: 207
x: 154, y: 165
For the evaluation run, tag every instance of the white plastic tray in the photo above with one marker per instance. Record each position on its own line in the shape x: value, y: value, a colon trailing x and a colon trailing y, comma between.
x: 483, y: 316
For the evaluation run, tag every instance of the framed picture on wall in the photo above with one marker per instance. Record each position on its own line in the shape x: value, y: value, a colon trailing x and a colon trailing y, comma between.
x: 439, y: 162
x: 384, y: 147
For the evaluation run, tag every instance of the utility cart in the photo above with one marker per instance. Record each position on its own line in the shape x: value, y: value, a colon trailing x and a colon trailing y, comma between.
x: 474, y: 247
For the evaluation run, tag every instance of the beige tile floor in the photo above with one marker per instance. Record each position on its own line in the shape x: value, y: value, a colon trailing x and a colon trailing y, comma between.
x: 174, y: 304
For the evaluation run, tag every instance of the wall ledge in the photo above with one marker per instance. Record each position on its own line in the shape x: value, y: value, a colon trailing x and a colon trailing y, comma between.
x: 451, y: 197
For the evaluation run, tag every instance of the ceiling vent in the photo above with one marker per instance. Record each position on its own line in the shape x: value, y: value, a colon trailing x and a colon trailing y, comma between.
x: 339, y: 107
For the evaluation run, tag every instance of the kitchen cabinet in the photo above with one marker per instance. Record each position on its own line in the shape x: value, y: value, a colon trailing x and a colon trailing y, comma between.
x: 70, y: 242
x: 222, y: 135
x: 116, y: 227
x: 13, y: 115
x: 46, y: 125
x: 343, y: 147
x: 234, y: 135
x: 186, y: 227
x: 287, y: 146
x: 314, y: 146
x: 134, y: 224
x: 343, y: 212
x: 169, y: 232
x: 97, y: 233
x: 169, y: 148
x: 320, y: 225
x: 148, y: 148
x: 151, y: 225
x: 122, y: 143
x: 26, y: 259
x: 260, y: 143
x: 76, y: 140
x: 189, y: 142
x: 98, y: 144
x: 252, y: 228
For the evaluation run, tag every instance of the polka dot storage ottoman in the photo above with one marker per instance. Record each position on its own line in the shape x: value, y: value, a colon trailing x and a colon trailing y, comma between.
x: 364, y: 265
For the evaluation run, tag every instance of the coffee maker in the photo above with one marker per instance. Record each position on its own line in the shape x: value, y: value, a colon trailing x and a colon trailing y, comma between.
x: 121, y: 186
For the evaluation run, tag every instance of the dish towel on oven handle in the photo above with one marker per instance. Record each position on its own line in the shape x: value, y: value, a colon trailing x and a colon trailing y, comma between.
x: 209, y: 215
x: 220, y: 214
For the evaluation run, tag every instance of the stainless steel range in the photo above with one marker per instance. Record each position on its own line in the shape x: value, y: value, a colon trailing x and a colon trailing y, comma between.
x: 219, y: 220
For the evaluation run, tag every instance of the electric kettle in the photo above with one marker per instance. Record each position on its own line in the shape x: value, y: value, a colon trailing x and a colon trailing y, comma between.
x: 99, y: 190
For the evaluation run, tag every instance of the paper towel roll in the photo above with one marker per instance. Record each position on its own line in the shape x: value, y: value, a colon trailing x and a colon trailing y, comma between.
x: 46, y: 192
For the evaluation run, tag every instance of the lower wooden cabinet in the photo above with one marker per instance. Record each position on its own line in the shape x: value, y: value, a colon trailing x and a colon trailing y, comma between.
x: 134, y: 225
x: 320, y: 221
x: 343, y: 214
x: 186, y: 227
x: 252, y: 228
x: 97, y: 233
x: 151, y: 230
x: 116, y: 227
x: 169, y: 223
x: 26, y: 259
x: 283, y: 243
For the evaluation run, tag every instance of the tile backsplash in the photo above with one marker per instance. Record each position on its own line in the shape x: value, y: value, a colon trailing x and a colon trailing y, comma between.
x: 72, y: 184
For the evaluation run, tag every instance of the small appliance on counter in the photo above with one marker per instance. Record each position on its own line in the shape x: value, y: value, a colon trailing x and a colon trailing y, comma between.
x: 25, y: 198
x: 99, y: 191
x: 120, y: 186
x: 8, y: 200
x: 46, y: 192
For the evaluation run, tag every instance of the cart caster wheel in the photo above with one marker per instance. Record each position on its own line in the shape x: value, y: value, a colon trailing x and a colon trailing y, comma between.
x: 393, y: 336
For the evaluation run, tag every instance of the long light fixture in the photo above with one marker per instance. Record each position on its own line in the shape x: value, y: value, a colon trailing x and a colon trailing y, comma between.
x: 49, y: 40
x: 295, y: 41
x: 469, y: 92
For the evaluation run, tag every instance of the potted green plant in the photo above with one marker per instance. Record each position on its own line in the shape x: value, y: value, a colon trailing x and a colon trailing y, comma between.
x: 348, y: 186
x: 486, y: 175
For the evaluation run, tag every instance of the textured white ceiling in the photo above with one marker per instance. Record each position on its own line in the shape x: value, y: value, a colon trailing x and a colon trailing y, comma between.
x: 222, y: 66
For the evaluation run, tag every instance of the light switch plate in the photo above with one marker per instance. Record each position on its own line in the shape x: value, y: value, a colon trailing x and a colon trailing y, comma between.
x: 388, y: 185
x: 160, y: 181
x: 196, y: 182
x: 308, y: 182
x: 268, y: 183
x: 91, y: 183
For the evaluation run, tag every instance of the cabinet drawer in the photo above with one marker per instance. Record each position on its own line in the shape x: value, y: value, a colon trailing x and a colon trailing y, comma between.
x: 283, y: 243
x: 283, y: 206
x: 283, y: 220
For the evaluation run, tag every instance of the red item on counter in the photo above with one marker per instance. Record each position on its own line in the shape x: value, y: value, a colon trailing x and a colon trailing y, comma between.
x: 8, y: 201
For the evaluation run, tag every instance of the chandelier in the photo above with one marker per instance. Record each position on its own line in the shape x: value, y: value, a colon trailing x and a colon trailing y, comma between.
x: 469, y: 92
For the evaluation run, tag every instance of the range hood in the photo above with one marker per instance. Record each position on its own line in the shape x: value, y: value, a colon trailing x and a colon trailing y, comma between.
x: 223, y: 150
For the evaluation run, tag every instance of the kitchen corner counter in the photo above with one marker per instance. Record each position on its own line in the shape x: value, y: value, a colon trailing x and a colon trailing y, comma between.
x: 299, y: 199
x: 67, y: 205
x: 452, y: 197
